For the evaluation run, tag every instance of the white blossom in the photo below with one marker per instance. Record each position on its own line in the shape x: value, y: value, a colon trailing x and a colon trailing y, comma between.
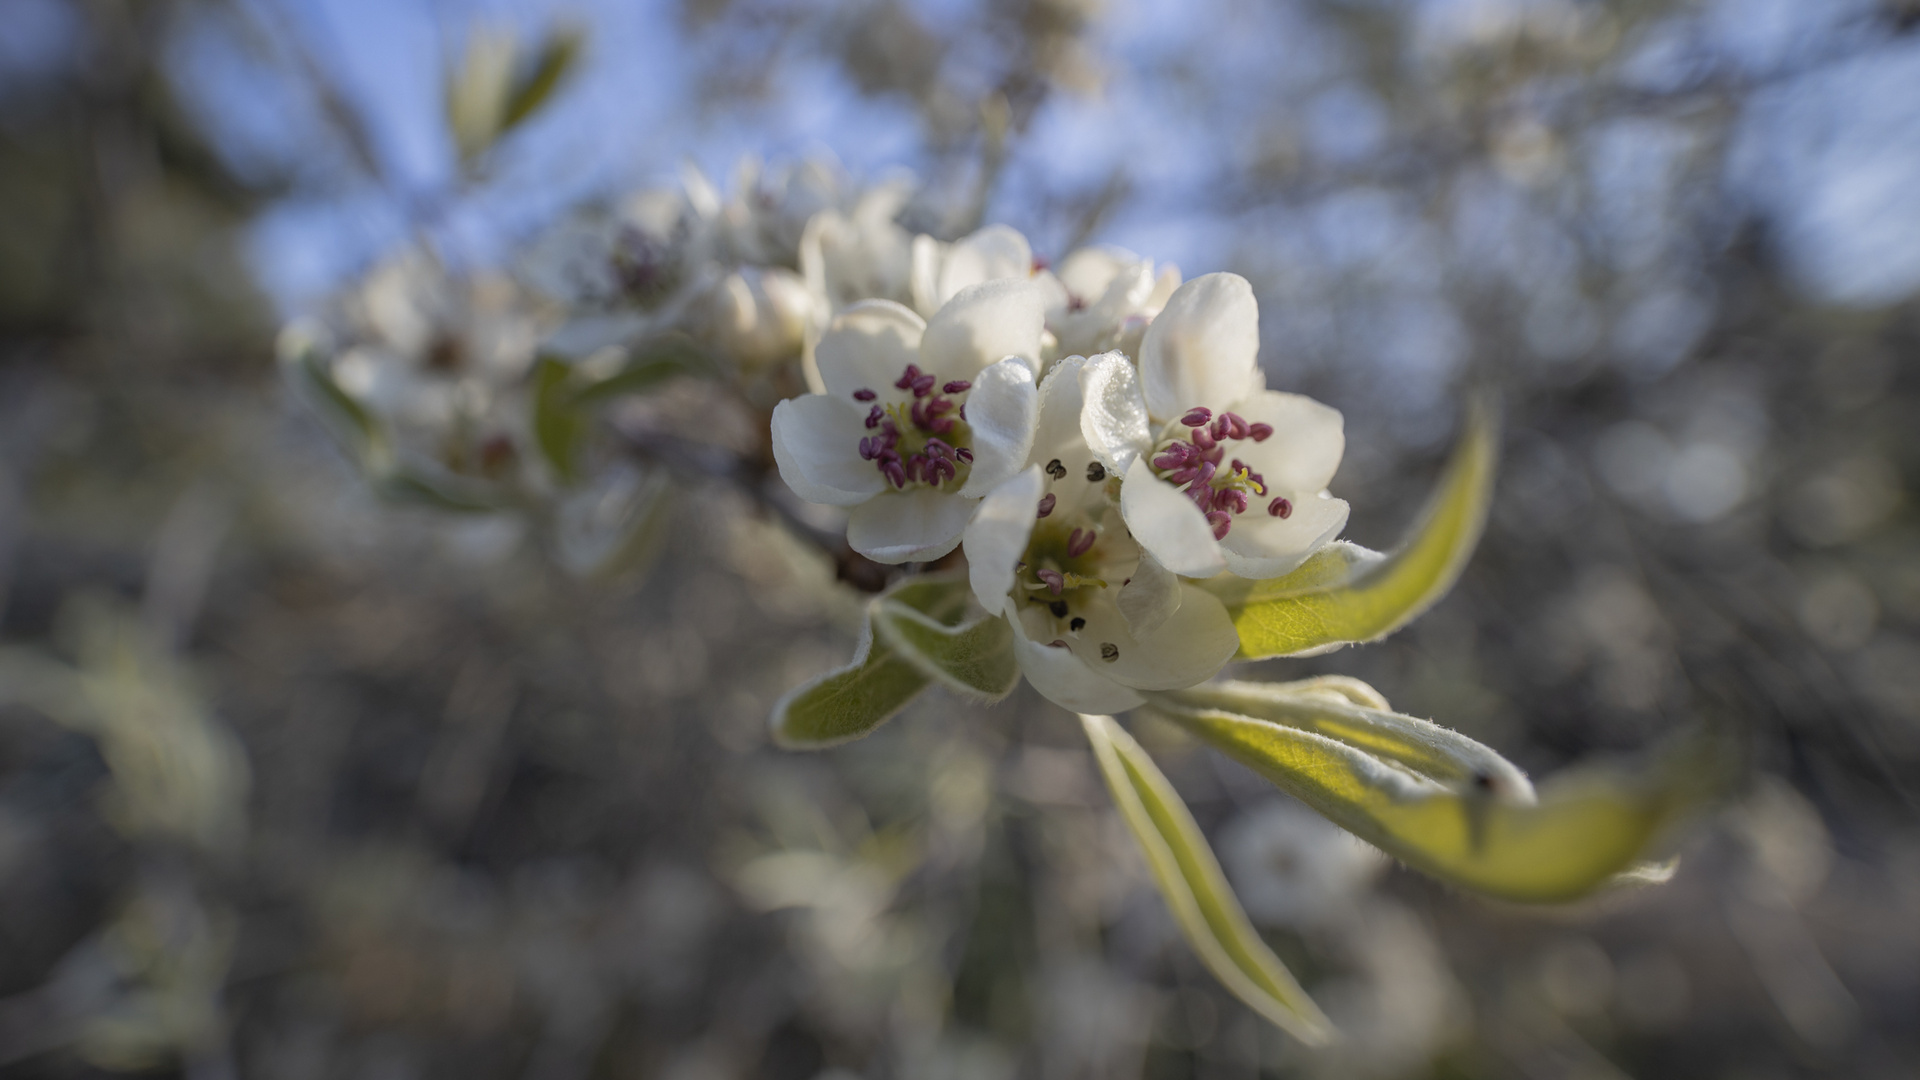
x: 757, y: 316
x: 1221, y: 473
x: 1104, y: 299
x: 915, y: 420
x: 940, y: 270
x: 1095, y: 618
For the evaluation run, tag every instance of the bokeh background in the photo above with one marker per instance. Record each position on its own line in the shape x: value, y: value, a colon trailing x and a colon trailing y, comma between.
x: 380, y: 793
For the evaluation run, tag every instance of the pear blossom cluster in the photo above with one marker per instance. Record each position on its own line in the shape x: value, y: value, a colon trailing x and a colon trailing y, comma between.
x: 1092, y: 438
x: 1089, y: 492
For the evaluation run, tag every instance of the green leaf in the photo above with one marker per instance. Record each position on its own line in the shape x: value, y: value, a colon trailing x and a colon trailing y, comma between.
x: 850, y: 702
x: 975, y: 659
x: 345, y: 417
x: 1579, y: 832
x: 1346, y: 594
x: 1347, y: 710
x: 614, y: 527
x: 652, y: 362
x: 535, y: 85
x: 438, y: 489
x: 1194, y: 888
x: 559, y: 425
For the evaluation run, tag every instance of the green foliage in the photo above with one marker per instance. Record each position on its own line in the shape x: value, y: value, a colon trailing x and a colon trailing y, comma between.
x: 975, y: 659
x: 498, y: 86
x: 1195, y: 889
x: 1346, y: 594
x: 1445, y: 805
x: 559, y: 425
x: 916, y: 636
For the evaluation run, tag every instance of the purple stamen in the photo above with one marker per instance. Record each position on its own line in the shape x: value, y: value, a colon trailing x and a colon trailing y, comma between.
x: 1046, y: 507
x: 957, y: 386
x: 908, y: 377
x: 1078, y: 542
x: 895, y: 474
x: 878, y: 414
x: 1184, y: 476
x: 1259, y: 432
x: 1280, y: 508
x: 1055, y: 583
x: 923, y: 386
x: 1196, y: 416
x: 1220, y: 426
x: 1230, y: 499
x: 1203, y: 438
x: 964, y: 454
x: 1236, y: 425
x: 1221, y: 523
x: 864, y: 394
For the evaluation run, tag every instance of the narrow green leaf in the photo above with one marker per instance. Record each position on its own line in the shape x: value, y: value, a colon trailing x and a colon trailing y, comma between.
x: 1339, y: 708
x: 559, y: 425
x: 975, y: 659
x: 437, y: 489
x: 1582, y: 829
x: 1347, y: 594
x: 533, y: 87
x: 850, y: 702
x: 1194, y: 887
x: 615, y: 526
x: 651, y: 363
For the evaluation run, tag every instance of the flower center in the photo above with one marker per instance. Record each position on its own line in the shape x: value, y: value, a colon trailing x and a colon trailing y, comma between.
x: 1193, y: 464
x: 1069, y: 551
x: 921, y: 441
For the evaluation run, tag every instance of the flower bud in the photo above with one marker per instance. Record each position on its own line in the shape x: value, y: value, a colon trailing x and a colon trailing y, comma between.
x: 757, y: 316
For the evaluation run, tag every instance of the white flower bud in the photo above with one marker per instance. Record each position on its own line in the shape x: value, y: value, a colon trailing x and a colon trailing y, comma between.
x: 758, y: 316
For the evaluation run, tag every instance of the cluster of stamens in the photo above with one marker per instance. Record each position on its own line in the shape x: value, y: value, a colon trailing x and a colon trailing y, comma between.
x: 1193, y: 464
x: 926, y: 457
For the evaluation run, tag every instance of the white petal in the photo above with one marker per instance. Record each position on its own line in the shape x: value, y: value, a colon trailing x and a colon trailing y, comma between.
x: 1057, y: 432
x: 997, y: 536
x: 1002, y: 408
x: 1203, y: 348
x: 914, y: 525
x: 1305, y: 448
x: 816, y: 441
x: 867, y: 346
x: 1150, y: 596
x: 1168, y: 525
x: 1189, y: 647
x: 1164, y: 287
x: 983, y: 325
x: 1089, y: 271
x: 1261, y: 546
x: 997, y: 251
x: 923, y: 278
x: 1114, y: 418
x: 1063, y: 679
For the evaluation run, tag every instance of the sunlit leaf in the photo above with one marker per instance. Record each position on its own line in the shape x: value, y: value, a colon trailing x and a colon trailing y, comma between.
x: 1346, y: 594
x: 1347, y: 710
x: 1584, y: 827
x: 849, y: 702
x: 1195, y: 890
x: 975, y: 659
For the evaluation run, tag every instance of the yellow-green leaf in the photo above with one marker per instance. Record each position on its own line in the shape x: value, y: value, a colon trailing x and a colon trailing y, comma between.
x: 1347, y: 710
x: 1346, y: 594
x: 1583, y: 828
x: 975, y: 659
x: 849, y: 702
x: 1195, y: 890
